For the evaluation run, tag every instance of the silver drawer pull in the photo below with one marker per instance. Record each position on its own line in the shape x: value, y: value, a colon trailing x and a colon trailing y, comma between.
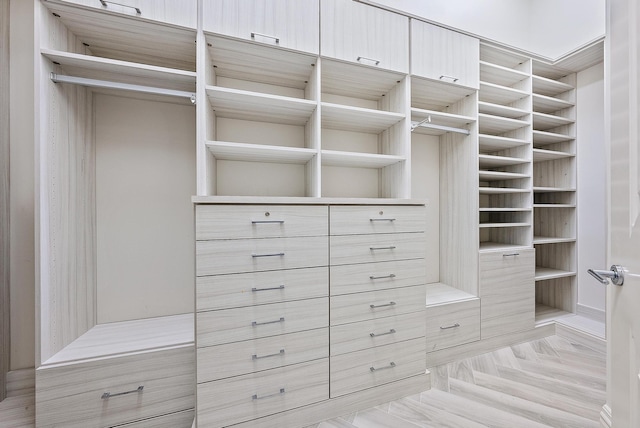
x: 255, y: 290
x: 108, y: 395
x: 456, y: 325
x: 382, y: 219
x: 444, y: 76
x: 375, y: 61
x: 255, y: 323
x: 276, y: 39
x: 267, y: 255
x: 267, y: 221
x: 393, y: 330
x: 392, y: 275
x: 104, y: 3
x: 392, y: 247
x: 382, y: 306
x: 255, y: 356
x: 511, y: 255
x: 390, y: 366
x: 255, y: 396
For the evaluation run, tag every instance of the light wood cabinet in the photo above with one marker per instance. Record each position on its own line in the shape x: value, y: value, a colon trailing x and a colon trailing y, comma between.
x: 292, y: 24
x: 452, y: 324
x: 445, y: 55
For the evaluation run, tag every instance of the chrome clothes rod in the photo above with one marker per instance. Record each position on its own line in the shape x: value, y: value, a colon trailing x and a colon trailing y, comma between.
x: 58, y: 78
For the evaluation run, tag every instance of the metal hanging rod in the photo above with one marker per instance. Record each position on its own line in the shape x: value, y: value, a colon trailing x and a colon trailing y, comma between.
x: 57, y: 78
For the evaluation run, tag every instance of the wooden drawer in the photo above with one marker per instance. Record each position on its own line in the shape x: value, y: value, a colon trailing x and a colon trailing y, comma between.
x: 453, y: 324
x: 376, y: 248
x: 376, y: 276
x: 234, y: 325
x: 359, y: 220
x: 233, y: 359
x: 173, y: 420
x: 386, y: 303
x: 69, y: 395
x: 258, y: 288
x: 375, y: 366
x: 247, y: 397
x: 377, y: 332
x: 259, y: 221
x: 507, y: 292
x: 256, y: 255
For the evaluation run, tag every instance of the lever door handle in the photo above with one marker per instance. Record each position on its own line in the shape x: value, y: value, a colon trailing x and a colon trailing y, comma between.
x: 615, y: 274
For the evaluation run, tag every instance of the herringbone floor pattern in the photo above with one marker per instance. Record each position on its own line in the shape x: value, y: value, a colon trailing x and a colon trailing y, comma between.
x: 551, y: 382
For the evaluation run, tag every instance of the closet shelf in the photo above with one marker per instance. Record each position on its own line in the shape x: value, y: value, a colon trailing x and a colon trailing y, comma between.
x: 544, y: 137
x: 554, y: 205
x: 498, y: 225
x: 357, y: 81
x: 489, y: 124
x: 348, y: 118
x: 491, y: 143
x: 492, y: 161
x: 440, y: 122
x: 541, y: 155
x: 223, y: 150
x: 548, y: 87
x: 497, y: 94
x: 497, y: 74
x: 540, y: 240
x: 547, y: 314
x: 432, y: 95
x: 537, y: 189
x: 359, y: 160
x: 543, y: 121
x: 544, y: 104
x: 500, y: 190
x: 500, y: 176
x: 544, y: 273
x: 503, y: 210
x: 442, y: 294
x: 488, y: 246
x: 500, y: 110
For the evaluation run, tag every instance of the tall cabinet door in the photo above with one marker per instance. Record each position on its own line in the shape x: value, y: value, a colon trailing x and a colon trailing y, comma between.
x: 292, y: 24
x: 364, y: 34
x: 445, y: 55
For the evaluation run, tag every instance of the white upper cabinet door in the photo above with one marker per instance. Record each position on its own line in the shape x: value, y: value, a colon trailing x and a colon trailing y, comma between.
x: 292, y: 24
x: 445, y: 55
x: 177, y: 12
x: 364, y: 34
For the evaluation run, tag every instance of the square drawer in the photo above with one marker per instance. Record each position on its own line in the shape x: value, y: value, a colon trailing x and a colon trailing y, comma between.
x: 255, y: 322
x: 377, y: 332
x: 257, y: 255
x: 260, y: 221
x: 346, y: 279
x: 376, y: 304
x: 116, y: 390
x: 376, y: 366
x: 453, y: 324
x: 258, y: 288
x: 243, y: 398
x: 357, y: 220
x: 377, y: 248
x: 249, y: 356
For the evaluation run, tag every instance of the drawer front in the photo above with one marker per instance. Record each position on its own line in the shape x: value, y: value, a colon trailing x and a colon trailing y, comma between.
x: 256, y: 255
x: 382, y: 331
x: 174, y: 420
x: 376, y: 276
x: 376, y: 366
x: 72, y: 394
x: 244, y: 398
x: 376, y: 248
x: 249, y: 356
x: 254, y: 322
x: 507, y: 292
x: 259, y: 221
x: 453, y: 324
x: 258, y: 288
x: 359, y: 220
x: 377, y: 304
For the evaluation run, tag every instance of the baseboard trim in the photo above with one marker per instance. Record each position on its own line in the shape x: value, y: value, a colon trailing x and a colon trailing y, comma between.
x: 20, y: 382
x: 582, y: 337
x: 591, y: 313
x: 605, y: 416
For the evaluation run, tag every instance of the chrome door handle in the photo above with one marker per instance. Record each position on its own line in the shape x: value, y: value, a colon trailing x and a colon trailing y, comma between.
x: 615, y: 274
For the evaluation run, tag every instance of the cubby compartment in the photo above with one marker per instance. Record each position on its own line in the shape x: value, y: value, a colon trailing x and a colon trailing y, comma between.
x: 554, y: 298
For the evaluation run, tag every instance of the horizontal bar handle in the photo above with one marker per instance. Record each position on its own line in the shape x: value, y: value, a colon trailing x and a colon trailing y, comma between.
x: 390, y: 366
x: 511, y: 255
x: 375, y: 61
x: 392, y: 247
x: 255, y: 396
x: 267, y: 255
x: 108, y: 395
x: 456, y: 325
x: 104, y: 3
x: 382, y: 219
x: 382, y: 306
x: 256, y: 357
x: 391, y: 275
x: 393, y: 330
x: 276, y: 39
x: 267, y: 221
x: 452, y: 78
x: 255, y: 290
x: 255, y: 323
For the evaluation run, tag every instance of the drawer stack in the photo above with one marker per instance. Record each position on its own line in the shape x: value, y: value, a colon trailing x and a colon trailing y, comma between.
x: 262, y: 307
x: 377, y: 295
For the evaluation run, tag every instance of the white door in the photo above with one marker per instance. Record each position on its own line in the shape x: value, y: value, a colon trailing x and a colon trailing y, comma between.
x: 623, y: 302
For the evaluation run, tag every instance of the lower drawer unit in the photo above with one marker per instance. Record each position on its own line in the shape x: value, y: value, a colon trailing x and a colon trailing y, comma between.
x: 453, y: 324
x: 346, y: 279
x: 114, y: 391
x: 349, y: 249
x: 376, y: 366
x: 243, y: 398
x: 173, y: 420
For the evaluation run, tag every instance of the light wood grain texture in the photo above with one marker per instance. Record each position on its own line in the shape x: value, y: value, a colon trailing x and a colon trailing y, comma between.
x: 497, y: 94
x: 496, y: 125
x: 359, y: 33
x: 230, y: 401
x: 359, y: 220
x: 357, y: 307
x: 549, y: 87
x: 559, y: 294
x: 250, y: 356
x: 5, y: 331
x: 494, y: 142
x: 69, y: 395
x: 543, y: 121
x: 234, y: 325
x: 560, y: 255
x: 555, y: 221
x: 222, y: 150
x: 253, y: 200
x: 439, y: 293
x: 357, y: 278
x: 502, y: 110
x: 335, y: 116
x: 442, y: 54
x: 545, y: 104
x: 359, y: 160
x: 349, y: 249
x: 355, y: 81
x: 436, y: 95
x: 500, y: 75
x: 452, y: 324
x: 352, y: 372
x: 184, y: 419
